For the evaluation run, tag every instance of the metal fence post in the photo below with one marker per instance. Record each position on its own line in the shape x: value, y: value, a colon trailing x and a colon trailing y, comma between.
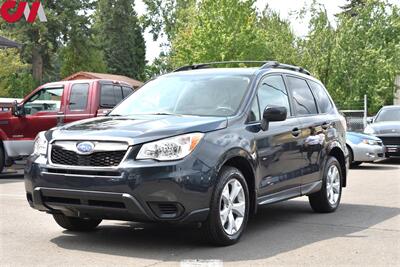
x: 365, y: 111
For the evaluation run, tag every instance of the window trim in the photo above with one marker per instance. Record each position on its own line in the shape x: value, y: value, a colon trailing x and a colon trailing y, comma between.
x: 290, y: 113
x: 69, y: 98
x: 315, y: 101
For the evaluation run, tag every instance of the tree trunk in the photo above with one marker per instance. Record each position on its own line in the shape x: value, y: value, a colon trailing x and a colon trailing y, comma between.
x: 37, y: 65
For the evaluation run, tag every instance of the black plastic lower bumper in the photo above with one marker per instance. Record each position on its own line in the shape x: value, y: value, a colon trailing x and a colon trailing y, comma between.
x: 104, y: 205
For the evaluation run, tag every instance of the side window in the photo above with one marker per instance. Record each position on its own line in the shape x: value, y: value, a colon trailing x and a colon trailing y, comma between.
x: 324, y: 103
x: 118, y: 94
x: 254, y: 112
x: 303, y: 99
x: 127, y: 91
x: 107, y: 98
x: 79, y: 96
x: 48, y: 99
x: 272, y: 91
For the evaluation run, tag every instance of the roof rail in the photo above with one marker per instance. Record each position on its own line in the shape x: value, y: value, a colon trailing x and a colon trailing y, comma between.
x: 207, y: 65
x: 277, y: 65
x: 266, y: 65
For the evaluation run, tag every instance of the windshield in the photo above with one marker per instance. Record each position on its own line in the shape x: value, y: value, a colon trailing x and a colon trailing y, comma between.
x: 388, y: 115
x: 200, y: 95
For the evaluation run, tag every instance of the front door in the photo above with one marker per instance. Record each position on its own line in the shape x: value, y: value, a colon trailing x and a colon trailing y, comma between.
x: 42, y: 111
x: 278, y: 147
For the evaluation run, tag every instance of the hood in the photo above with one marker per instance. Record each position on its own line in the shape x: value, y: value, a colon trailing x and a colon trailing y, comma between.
x: 360, y: 136
x: 139, y: 129
x: 386, y: 127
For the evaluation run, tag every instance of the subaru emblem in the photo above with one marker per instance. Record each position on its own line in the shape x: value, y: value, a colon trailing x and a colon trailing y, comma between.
x: 85, y: 147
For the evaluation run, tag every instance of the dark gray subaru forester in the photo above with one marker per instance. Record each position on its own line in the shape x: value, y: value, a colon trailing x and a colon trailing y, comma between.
x: 201, y: 144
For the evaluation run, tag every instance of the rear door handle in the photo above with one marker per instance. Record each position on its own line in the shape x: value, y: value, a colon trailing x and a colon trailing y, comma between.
x: 296, y: 132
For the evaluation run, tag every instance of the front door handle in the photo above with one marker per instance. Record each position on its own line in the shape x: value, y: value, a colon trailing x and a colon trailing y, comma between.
x: 296, y: 132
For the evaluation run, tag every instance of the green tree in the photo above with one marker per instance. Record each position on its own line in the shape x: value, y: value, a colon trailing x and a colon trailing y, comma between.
x: 42, y: 40
x: 15, y: 79
x: 218, y: 31
x: 120, y: 37
x: 316, y: 48
x: 365, y: 59
x: 352, y: 7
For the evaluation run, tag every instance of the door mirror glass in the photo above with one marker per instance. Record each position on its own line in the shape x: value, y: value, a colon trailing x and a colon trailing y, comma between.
x: 273, y: 113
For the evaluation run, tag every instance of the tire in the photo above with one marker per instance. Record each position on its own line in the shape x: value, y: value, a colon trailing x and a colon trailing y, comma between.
x: 327, y: 200
x: 2, y: 158
x: 225, y: 234
x: 76, y: 224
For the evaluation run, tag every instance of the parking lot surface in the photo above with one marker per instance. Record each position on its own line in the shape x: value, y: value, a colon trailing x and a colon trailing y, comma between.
x: 365, y: 230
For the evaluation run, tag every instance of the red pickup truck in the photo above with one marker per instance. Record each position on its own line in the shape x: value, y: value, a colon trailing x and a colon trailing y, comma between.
x: 50, y: 105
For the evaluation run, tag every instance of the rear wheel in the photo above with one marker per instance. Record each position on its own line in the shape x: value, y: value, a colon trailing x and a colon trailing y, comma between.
x: 328, y: 198
x: 229, y: 209
x: 76, y: 224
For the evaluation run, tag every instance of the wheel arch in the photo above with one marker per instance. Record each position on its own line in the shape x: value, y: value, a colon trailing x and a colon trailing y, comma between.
x: 243, y: 161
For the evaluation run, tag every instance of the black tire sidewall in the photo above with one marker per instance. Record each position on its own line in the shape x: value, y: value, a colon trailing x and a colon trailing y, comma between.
x: 226, y: 174
x: 331, y: 161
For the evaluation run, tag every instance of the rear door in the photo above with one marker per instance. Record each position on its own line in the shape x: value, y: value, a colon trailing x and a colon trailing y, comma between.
x: 278, y: 147
x: 79, y: 102
x: 312, y: 136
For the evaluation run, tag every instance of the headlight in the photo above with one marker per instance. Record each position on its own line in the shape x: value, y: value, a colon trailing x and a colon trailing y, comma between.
x: 370, y: 142
x: 173, y: 148
x: 40, y: 146
x: 369, y: 130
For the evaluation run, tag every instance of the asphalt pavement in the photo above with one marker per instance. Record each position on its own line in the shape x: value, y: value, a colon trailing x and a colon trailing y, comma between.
x: 364, y: 231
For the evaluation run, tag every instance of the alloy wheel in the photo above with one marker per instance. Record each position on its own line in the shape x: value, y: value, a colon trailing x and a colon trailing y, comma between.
x: 232, y: 207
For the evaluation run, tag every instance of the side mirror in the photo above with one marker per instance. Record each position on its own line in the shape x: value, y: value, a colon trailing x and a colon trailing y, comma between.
x: 16, y: 109
x: 370, y: 120
x: 273, y: 113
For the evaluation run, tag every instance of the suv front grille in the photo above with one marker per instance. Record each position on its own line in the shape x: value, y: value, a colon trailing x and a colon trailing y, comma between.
x: 97, y: 159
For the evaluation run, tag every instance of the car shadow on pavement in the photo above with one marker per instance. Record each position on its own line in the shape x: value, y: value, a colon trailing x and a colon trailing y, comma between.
x: 275, y: 229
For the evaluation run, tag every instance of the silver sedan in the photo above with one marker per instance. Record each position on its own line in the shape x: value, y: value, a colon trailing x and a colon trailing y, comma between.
x: 364, y: 148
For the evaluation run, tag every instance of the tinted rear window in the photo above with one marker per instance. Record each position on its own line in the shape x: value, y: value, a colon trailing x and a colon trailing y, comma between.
x: 303, y: 99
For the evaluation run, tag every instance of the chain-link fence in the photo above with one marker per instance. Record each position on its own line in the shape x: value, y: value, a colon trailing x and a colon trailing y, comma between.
x: 355, y: 114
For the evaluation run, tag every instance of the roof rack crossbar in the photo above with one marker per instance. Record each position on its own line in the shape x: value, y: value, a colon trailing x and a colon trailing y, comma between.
x: 266, y: 65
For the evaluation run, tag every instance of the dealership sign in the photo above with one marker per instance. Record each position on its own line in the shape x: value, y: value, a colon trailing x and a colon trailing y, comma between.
x: 12, y: 11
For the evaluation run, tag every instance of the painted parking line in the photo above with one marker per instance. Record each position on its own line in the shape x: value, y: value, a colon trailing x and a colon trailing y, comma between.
x: 202, y: 263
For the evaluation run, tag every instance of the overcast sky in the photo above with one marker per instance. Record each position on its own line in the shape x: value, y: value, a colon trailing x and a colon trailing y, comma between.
x: 284, y: 7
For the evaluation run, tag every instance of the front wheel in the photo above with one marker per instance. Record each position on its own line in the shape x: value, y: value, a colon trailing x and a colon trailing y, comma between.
x: 328, y: 198
x: 229, y: 208
x: 76, y: 224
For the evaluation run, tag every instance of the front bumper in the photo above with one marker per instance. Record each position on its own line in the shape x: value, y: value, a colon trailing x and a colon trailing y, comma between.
x: 135, y: 191
x: 368, y: 153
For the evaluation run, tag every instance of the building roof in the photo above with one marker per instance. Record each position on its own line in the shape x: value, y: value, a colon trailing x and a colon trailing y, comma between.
x: 93, y: 75
x: 6, y: 43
